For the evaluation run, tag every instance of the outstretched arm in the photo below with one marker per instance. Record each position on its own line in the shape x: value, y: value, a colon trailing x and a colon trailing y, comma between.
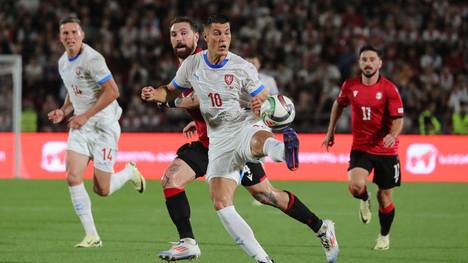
x: 163, y: 93
x: 390, y: 139
x: 335, y: 114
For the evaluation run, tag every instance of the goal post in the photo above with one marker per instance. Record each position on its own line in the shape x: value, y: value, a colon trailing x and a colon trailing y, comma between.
x: 11, y: 72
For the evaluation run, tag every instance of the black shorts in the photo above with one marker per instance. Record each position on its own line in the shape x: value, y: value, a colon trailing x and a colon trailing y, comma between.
x: 196, y: 156
x: 387, y: 172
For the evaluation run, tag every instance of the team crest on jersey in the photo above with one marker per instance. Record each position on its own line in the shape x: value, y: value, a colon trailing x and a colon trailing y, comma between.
x: 378, y: 95
x: 355, y: 92
x: 228, y: 78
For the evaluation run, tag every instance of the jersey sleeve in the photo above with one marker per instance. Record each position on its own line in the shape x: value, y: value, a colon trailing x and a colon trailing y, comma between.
x: 343, y: 98
x: 252, y: 84
x: 394, y: 102
x: 99, y: 70
x: 181, y: 80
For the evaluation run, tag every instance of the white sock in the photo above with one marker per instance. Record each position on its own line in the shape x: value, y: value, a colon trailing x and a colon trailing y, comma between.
x: 82, y: 205
x: 117, y: 180
x: 274, y: 149
x: 241, y: 232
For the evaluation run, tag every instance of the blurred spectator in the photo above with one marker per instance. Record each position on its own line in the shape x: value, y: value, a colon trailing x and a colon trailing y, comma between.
x: 460, y: 120
x: 428, y: 122
x: 309, y: 47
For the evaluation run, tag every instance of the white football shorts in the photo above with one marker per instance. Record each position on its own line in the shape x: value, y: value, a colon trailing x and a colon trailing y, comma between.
x: 99, y: 142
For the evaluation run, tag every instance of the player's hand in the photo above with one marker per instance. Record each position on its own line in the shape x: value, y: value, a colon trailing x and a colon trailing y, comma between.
x: 147, y: 93
x: 77, y: 121
x: 190, y: 129
x: 329, y: 140
x: 256, y: 105
x: 56, y: 116
x: 389, y: 140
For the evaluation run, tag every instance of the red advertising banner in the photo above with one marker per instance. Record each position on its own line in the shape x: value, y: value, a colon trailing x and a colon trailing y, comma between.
x: 441, y: 158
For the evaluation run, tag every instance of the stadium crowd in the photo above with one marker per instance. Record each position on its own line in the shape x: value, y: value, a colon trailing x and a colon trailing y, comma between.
x: 309, y: 47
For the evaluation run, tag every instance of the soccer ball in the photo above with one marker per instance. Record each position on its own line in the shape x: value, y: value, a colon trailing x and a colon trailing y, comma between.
x: 277, y: 112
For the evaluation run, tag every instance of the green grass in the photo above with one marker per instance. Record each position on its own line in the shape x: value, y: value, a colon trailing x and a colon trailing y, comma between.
x: 37, y: 224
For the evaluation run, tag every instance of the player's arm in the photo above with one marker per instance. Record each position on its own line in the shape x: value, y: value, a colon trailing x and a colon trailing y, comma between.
x: 335, y: 114
x: 337, y: 109
x: 164, y: 93
x: 395, y: 108
x: 109, y: 94
x: 258, y: 99
x: 397, y: 126
x: 57, y: 115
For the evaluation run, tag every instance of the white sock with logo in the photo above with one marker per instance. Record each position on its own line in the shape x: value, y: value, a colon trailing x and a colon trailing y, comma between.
x: 117, y: 180
x: 82, y: 205
x: 274, y: 149
x: 241, y: 232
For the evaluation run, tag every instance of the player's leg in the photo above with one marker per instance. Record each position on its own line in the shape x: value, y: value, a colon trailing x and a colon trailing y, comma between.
x: 104, y: 152
x: 359, y: 168
x: 264, y: 143
x: 222, y: 193
x: 260, y: 188
x: 76, y: 164
x: 191, y: 162
x: 387, y: 176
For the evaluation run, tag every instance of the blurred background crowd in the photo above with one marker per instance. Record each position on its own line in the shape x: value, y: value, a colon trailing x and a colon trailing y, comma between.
x: 309, y: 47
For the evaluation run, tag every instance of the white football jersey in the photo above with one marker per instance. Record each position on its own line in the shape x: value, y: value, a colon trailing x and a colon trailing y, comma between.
x: 83, y: 76
x: 220, y: 89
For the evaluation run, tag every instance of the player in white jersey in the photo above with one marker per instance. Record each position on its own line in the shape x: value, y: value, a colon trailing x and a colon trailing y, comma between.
x: 94, y: 128
x: 219, y: 79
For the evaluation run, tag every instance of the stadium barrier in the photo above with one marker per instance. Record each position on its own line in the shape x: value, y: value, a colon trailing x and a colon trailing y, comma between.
x: 442, y: 158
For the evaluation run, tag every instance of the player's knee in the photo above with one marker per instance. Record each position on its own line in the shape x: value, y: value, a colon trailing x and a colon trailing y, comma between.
x: 257, y: 141
x: 74, y: 178
x: 221, y: 202
x: 101, y: 191
x: 169, y: 180
x: 356, y: 189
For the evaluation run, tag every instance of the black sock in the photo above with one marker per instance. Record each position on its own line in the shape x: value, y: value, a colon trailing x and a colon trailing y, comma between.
x: 386, y: 216
x: 297, y: 210
x: 364, y: 195
x: 179, y: 210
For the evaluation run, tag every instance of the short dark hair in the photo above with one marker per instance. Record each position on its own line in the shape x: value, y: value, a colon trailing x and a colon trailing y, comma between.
x: 184, y: 19
x: 370, y: 48
x: 70, y: 19
x: 216, y: 18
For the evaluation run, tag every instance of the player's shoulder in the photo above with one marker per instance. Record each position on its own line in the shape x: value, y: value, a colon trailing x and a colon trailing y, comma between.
x: 90, y: 53
x: 388, y: 84
x: 239, y: 62
x: 352, y: 82
x: 194, y: 58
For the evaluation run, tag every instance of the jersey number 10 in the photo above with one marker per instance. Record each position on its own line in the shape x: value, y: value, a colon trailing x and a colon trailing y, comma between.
x: 366, y: 113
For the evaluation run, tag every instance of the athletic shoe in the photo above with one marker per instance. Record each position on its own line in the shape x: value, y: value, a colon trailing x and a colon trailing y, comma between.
x: 137, y: 178
x: 90, y: 241
x: 266, y: 260
x: 327, y: 237
x: 382, y: 242
x: 186, y: 248
x: 365, y: 213
x: 291, y: 148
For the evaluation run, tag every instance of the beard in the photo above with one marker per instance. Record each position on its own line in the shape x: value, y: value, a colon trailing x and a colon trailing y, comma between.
x: 183, y: 53
x: 368, y: 74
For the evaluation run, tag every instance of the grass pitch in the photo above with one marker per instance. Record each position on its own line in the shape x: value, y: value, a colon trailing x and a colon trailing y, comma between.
x: 38, y: 224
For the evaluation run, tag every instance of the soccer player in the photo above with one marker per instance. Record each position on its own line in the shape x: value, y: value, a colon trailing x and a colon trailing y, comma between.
x: 377, y: 120
x: 94, y: 128
x: 219, y: 79
x: 192, y: 162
